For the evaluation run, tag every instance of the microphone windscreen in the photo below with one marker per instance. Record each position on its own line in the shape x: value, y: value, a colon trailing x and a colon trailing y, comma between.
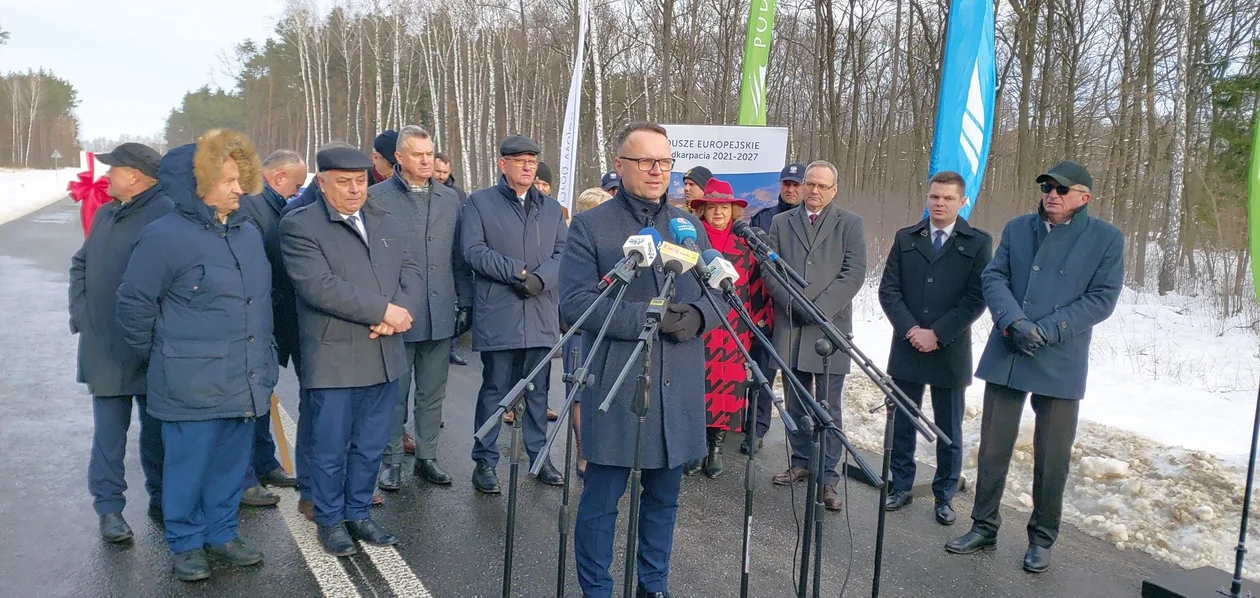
x: 682, y: 229
x: 709, y: 255
x: 652, y: 232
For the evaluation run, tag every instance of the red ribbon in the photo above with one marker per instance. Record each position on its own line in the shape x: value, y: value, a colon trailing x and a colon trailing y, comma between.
x: 90, y: 192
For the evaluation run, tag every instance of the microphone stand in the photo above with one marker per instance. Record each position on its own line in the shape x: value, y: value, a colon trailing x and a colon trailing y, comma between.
x: 642, y: 396
x: 894, y: 401
x: 514, y: 401
x: 579, y: 378
x: 755, y: 375
x: 819, y: 422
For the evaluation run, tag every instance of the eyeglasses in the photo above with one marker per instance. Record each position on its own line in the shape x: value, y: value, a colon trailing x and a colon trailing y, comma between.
x: 818, y: 186
x: 1062, y: 190
x: 523, y: 162
x: 647, y: 164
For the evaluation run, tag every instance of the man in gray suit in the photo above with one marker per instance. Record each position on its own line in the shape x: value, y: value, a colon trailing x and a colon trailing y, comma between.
x: 826, y: 244
x: 355, y: 283
x: 429, y: 216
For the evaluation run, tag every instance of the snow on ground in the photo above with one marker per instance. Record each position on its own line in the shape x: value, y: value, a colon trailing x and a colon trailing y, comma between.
x: 24, y: 191
x: 1160, y: 456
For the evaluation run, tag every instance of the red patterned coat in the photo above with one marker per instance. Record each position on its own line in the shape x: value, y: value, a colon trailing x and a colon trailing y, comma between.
x: 726, y: 382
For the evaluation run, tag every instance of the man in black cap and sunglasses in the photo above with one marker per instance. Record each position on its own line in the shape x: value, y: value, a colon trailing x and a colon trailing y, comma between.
x: 1056, y: 274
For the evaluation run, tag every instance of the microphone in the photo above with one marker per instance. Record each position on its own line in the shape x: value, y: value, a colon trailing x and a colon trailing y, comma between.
x: 677, y: 259
x: 759, y: 242
x: 639, y: 251
x: 719, y: 272
x: 684, y: 233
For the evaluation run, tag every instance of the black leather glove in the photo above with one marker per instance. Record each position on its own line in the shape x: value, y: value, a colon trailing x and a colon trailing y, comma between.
x: 463, y: 321
x: 1026, y: 336
x: 530, y: 287
x: 681, y: 322
x: 801, y: 316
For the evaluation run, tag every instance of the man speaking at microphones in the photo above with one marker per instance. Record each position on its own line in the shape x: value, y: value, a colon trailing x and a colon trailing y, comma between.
x: 674, y: 428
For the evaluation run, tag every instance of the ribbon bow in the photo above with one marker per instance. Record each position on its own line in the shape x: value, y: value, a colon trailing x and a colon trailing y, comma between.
x: 90, y: 192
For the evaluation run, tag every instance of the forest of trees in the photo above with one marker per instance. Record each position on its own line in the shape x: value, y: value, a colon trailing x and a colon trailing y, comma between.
x: 1157, y: 97
x: 36, y: 117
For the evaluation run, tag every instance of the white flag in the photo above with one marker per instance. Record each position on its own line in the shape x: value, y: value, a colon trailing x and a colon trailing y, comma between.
x: 572, y: 116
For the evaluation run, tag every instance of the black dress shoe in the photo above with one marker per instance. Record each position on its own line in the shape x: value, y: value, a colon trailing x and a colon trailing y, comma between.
x: 368, y: 531
x: 1037, y: 559
x: 550, y: 476
x: 279, y: 478
x: 236, y: 553
x: 114, y: 528
x: 336, y: 540
x: 191, y: 565
x: 390, y: 478
x: 898, y: 499
x: 259, y: 496
x: 945, y: 513
x: 743, y: 446
x: 429, y: 471
x: 693, y: 467
x: 457, y: 360
x: 485, y: 480
x: 972, y: 541
x: 639, y: 592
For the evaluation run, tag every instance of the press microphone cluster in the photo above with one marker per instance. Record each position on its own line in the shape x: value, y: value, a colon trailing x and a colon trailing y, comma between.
x: 759, y: 242
x: 719, y: 273
x: 640, y: 251
x: 680, y: 259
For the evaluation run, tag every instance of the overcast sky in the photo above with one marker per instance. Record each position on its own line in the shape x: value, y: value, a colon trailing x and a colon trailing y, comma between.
x: 130, y: 60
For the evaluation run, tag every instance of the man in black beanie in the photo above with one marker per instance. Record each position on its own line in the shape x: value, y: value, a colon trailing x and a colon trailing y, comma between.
x: 694, y: 182
x: 383, y: 159
x: 542, y: 179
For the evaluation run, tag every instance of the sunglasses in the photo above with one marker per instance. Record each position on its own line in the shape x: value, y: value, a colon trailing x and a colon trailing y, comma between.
x: 1062, y: 190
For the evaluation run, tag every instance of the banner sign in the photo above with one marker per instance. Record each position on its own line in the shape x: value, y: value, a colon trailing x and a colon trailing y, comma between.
x: 749, y: 158
x: 572, y: 117
x: 964, y: 114
x: 752, y: 86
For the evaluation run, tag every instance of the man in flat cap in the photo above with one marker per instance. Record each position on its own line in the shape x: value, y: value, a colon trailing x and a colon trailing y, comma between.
x: 1056, y: 274
x: 542, y: 179
x: 610, y: 182
x: 512, y: 237
x: 355, y: 284
x: 116, y: 377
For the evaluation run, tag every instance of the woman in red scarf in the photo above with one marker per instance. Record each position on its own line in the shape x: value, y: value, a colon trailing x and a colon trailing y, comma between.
x: 726, y: 382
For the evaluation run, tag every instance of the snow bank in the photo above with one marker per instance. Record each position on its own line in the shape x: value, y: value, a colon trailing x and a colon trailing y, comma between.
x: 1160, y: 454
x: 25, y: 191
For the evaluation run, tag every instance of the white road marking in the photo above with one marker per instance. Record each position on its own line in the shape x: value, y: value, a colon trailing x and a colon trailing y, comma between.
x: 329, y: 574
x: 397, y: 573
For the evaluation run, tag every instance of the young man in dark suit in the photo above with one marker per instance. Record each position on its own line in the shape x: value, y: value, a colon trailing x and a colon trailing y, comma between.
x: 931, y: 294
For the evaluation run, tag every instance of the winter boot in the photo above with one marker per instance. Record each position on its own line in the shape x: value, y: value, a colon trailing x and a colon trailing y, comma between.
x: 713, y: 463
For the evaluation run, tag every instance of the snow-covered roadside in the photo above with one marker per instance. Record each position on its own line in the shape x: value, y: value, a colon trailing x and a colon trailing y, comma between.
x: 25, y: 191
x: 1160, y: 455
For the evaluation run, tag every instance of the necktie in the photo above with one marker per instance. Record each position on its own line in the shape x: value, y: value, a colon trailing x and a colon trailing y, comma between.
x: 813, y: 219
x: 938, y: 241
x: 354, y: 223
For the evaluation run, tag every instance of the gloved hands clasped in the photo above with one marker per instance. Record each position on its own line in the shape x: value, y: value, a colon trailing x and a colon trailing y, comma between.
x: 529, y: 285
x: 1026, y: 335
x: 681, y: 322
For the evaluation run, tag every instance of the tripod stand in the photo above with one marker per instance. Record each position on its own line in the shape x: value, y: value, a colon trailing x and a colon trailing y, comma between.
x: 514, y: 401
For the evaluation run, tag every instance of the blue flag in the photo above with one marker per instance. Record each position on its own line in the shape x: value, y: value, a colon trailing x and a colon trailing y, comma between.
x: 964, y: 109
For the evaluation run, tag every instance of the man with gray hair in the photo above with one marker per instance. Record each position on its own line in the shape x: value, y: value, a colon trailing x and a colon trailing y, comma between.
x: 826, y: 244
x: 428, y: 213
x: 283, y: 173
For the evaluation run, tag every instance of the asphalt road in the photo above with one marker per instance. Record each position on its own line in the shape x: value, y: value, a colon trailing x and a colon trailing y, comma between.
x: 452, y: 538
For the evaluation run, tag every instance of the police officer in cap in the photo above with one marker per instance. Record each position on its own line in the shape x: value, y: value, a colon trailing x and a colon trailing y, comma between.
x: 610, y: 182
x: 355, y: 284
